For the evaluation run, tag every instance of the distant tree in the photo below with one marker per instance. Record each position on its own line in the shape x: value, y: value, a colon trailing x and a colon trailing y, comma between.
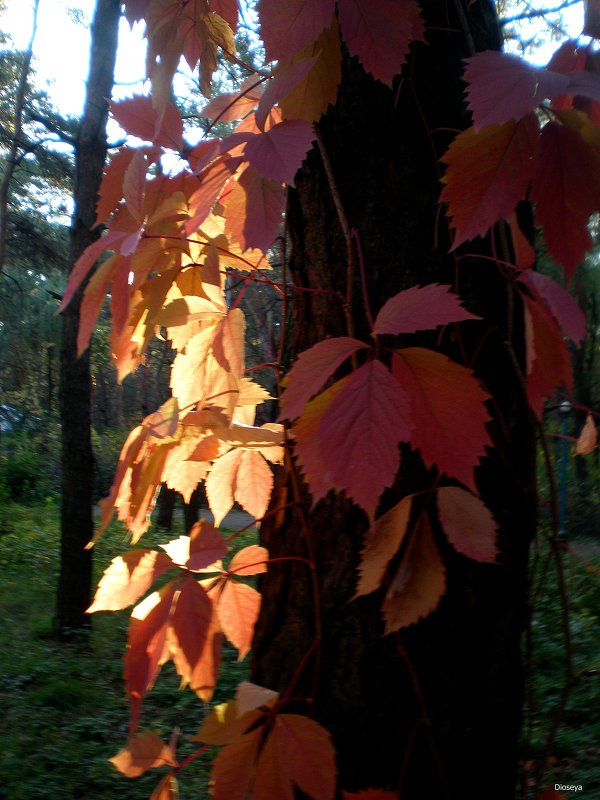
x: 77, y: 460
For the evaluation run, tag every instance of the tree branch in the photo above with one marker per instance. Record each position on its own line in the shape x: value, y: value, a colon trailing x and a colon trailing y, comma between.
x: 540, y: 12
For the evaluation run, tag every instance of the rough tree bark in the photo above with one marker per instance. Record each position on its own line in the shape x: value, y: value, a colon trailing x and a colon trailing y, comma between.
x: 74, y: 586
x: 434, y: 711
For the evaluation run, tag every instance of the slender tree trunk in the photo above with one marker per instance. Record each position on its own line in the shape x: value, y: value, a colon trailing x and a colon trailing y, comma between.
x: 16, y: 143
x: 433, y: 711
x: 74, y: 587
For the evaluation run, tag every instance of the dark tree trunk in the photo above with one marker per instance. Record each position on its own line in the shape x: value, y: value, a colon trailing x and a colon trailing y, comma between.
x: 434, y: 711
x: 165, y: 507
x: 74, y: 586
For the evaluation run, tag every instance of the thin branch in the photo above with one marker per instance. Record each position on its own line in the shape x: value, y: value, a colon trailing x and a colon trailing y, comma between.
x: 539, y: 12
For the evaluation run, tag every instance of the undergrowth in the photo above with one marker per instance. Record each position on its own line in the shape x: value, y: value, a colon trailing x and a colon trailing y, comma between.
x: 65, y: 711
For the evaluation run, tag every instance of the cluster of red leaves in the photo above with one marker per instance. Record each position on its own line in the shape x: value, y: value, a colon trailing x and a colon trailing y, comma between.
x: 173, y: 237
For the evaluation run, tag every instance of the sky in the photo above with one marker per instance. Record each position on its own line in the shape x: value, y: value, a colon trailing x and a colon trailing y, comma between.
x: 62, y: 46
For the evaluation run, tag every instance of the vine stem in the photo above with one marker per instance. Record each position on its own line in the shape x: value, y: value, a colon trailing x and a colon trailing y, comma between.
x: 363, y: 278
x: 346, y: 231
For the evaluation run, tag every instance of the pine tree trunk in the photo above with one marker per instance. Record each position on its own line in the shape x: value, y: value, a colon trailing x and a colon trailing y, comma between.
x: 74, y: 586
x: 433, y: 711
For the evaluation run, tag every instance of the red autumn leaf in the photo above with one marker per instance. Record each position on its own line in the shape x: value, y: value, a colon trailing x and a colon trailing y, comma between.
x: 111, y: 189
x: 371, y: 794
x: 202, y: 547
x: 312, y: 368
x: 504, y: 87
x: 379, y: 32
x: 250, y: 696
x: 382, y: 542
x: 249, y: 561
x: 588, y: 438
x: 524, y: 252
x: 253, y: 210
x: 284, y: 80
x: 468, y: 523
x: 138, y: 117
x: 307, y: 446
x: 548, y: 357
x: 86, y: 261
x: 418, y: 586
x: 232, y: 106
x: 359, y: 434
x: 147, y: 645
x: 228, y: 9
x: 288, y: 27
x: 566, y: 188
x: 212, y: 181
x: 442, y: 393
x: 134, y: 185
x: 278, y: 153
x: 93, y: 300
x: 237, y: 611
x: 488, y: 173
x: 551, y: 794
x: 127, y: 578
x: 298, y: 752
x: 561, y: 304
x: 188, y: 628
x: 144, y: 751
x: 420, y: 308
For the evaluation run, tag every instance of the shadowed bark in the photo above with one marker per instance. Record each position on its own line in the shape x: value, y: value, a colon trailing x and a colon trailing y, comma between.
x: 433, y: 711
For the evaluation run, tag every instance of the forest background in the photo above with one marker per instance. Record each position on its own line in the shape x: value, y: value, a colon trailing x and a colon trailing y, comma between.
x: 55, y: 687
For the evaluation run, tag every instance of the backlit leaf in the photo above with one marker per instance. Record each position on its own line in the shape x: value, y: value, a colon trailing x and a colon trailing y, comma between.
x: 310, y: 371
x: 250, y: 561
x: 311, y: 98
x: 566, y: 189
x: 442, y: 392
x: 127, y: 578
x: 359, y: 434
x: 144, y: 751
x: 588, y: 438
x: 489, y: 172
x: 138, y: 117
x: 504, y: 87
x: 189, y: 625
x: 561, y: 304
x: 288, y: 27
x: 253, y: 210
x: 379, y: 32
x: 278, y: 153
x: 285, y: 79
x: 237, y: 611
x: 468, y: 523
x: 147, y: 645
x: 234, y: 766
x: 420, y: 308
x: 203, y: 546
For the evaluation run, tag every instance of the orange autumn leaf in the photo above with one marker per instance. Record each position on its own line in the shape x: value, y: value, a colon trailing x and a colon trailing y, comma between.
x: 127, y: 578
x: 189, y: 626
x: 419, y: 583
x: 237, y: 611
x: 144, y: 751
x: 588, y: 438
x: 241, y: 475
x: 203, y: 546
x: 250, y: 560
x: 382, y: 542
x: 147, y: 648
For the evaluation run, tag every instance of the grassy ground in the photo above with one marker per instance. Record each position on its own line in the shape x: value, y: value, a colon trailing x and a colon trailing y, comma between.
x: 63, y: 706
x: 65, y: 714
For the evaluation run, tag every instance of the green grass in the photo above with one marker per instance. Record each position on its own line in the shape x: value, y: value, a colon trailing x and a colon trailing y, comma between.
x: 572, y: 755
x: 64, y: 708
x: 65, y: 711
